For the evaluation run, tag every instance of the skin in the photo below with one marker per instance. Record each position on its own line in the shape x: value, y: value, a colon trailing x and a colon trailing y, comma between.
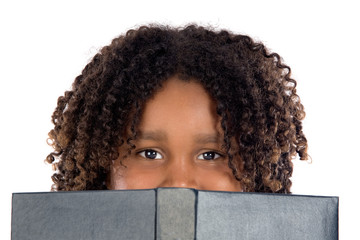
x: 179, y: 144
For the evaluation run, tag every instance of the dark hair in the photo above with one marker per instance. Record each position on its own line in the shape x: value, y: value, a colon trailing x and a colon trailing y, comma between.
x: 256, y: 99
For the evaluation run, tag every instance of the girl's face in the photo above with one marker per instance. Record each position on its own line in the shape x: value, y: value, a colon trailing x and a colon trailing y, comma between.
x: 179, y: 144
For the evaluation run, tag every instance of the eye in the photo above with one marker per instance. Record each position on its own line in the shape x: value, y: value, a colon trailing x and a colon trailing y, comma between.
x: 150, y: 154
x: 209, y: 156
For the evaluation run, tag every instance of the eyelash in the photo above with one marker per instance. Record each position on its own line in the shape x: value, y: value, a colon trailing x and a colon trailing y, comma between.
x: 216, y: 156
x: 144, y: 155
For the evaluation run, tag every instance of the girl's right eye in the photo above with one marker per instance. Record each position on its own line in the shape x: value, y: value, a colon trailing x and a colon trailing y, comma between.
x: 150, y: 154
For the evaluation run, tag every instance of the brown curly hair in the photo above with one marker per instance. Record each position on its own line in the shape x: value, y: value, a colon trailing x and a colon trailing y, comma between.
x: 256, y: 99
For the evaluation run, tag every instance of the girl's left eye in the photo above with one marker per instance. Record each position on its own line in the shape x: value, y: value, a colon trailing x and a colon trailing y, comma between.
x: 209, y: 156
x: 150, y: 154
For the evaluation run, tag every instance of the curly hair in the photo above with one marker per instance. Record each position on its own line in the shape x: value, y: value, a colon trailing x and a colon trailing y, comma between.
x: 255, y: 95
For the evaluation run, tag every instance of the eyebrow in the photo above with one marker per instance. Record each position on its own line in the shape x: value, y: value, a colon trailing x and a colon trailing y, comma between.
x: 205, y: 138
x: 159, y: 135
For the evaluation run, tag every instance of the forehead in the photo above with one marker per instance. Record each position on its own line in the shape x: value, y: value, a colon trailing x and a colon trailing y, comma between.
x: 180, y: 106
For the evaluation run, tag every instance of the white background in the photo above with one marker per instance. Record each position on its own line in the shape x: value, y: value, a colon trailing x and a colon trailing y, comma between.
x: 45, y: 45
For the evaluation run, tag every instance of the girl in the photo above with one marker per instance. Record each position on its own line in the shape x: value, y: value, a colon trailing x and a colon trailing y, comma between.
x: 179, y: 107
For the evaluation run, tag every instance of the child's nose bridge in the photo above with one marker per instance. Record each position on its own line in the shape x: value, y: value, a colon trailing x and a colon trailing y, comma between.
x: 180, y: 172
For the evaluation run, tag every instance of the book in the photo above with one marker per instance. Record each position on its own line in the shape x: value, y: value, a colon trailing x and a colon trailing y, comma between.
x: 172, y: 213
